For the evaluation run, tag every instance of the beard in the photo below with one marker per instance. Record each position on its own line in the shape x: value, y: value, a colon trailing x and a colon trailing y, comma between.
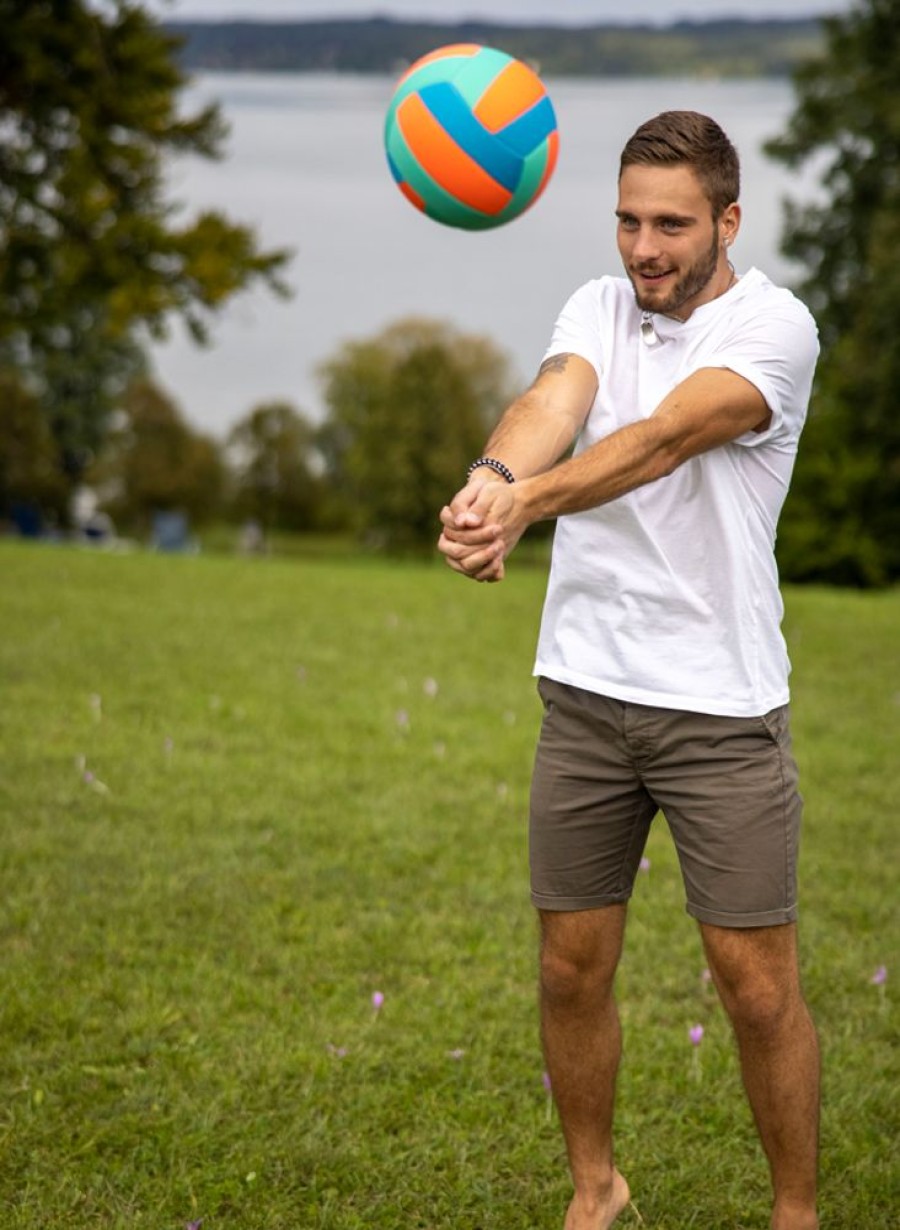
x: 696, y: 278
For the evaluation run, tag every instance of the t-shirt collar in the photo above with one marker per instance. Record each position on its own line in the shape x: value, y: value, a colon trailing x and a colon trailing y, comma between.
x: 667, y: 326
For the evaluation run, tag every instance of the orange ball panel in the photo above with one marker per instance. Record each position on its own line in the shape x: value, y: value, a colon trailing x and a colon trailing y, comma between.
x: 440, y: 157
x: 411, y: 195
x: 511, y: 92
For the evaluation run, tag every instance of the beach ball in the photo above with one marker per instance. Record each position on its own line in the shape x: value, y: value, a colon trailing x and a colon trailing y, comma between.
x: 471, y: 136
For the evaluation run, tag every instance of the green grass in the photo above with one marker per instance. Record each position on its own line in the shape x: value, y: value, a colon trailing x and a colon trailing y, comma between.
x: 238, y: 797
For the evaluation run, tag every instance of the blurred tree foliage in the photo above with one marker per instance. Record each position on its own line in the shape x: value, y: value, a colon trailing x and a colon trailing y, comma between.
x: 153, y: 462
x: 31, y: 489
x: 408, y: 410
x: 91, y: 255
x: 842, y: 519
x: 272, y: 461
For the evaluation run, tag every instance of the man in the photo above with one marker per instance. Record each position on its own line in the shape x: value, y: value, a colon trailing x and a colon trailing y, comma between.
x: 662, y: 666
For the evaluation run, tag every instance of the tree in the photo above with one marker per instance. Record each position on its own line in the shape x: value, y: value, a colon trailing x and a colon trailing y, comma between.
x: 154, y: 462
x: 30, y: 486
x: 272, y: 458
x: 842, y: 519
x: 91, y: 255
x: 408, y: 410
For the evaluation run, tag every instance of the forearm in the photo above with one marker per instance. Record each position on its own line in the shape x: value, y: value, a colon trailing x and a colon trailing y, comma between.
x: 528, y: 439
x: 483, y: 523
x: 709, y: 409
x: 621, y: 462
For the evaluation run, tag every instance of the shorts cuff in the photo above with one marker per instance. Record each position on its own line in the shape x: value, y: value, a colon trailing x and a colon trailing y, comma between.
x: 767, y: 918
x: 545, y: 901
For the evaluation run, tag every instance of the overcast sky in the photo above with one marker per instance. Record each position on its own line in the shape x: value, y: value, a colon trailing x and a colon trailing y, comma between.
x: 554, y: 12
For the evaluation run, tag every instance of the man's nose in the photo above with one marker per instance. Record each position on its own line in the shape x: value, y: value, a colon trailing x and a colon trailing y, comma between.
x: 646, y: 244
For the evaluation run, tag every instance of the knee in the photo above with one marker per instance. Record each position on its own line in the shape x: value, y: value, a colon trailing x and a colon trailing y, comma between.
x: 760, y: 1007
x: 568, y: 979
x: 561, y: 976
x: 579, y: 954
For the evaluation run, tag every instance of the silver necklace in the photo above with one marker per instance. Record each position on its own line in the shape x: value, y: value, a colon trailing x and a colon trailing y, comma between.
x: 650, y: 337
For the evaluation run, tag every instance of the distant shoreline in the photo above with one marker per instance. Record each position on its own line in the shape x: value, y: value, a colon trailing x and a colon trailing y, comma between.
x: 724, y: 48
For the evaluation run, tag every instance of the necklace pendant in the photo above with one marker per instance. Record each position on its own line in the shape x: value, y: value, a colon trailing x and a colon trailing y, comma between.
x: 648, y: 333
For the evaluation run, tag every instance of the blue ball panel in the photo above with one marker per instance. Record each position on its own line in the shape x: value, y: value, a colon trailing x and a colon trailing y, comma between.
x: 532, y: 174
x: 451, y: 111
x: 531, y: 128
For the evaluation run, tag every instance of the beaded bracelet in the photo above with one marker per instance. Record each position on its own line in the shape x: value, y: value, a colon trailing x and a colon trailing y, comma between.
x: 492, y: 464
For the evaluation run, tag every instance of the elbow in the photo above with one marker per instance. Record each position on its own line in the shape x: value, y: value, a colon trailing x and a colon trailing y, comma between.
x: 666, y: 460
x: 663, y: 450
x: 671, y: 449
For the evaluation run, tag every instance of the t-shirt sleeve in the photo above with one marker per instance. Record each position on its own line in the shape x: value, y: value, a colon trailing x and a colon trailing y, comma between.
x: 577, y: 328
x: 776, y: 351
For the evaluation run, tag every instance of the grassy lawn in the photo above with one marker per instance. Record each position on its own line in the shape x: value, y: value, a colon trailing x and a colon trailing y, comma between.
x: 240, y: 798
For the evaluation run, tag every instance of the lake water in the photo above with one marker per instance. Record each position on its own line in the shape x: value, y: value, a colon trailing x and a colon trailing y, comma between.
x: 306, y: 169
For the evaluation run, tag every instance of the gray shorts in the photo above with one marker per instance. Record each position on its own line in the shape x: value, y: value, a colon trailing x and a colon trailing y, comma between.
x: 727, y: 787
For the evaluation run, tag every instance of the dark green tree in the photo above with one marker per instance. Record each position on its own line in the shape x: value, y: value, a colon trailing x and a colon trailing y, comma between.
x: 842, y: 519
x: 272, y: 458
x: 31, y: 490
x: 154, y: 462
x: 92, y: 257
x: 408, y: 410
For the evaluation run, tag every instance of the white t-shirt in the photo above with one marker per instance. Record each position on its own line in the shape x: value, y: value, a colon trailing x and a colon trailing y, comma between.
x: 668, y: 596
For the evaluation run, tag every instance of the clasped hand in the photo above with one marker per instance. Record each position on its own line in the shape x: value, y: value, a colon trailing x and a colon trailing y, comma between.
x: 481, y: 525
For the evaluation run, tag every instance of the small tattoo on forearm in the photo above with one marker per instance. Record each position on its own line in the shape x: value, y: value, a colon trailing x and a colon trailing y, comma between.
x: 556, y: 363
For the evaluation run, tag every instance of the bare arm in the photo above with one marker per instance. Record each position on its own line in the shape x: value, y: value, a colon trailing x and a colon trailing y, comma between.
x: 710, y: 408
x: 536, y: 430
x: 540, y: 425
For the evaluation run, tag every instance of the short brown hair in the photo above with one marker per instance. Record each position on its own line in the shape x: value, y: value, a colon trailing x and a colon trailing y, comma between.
x: 692, y: 139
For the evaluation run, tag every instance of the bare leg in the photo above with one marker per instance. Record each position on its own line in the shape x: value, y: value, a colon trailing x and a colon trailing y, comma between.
x: 756, y: 974
x: 582, y: 1047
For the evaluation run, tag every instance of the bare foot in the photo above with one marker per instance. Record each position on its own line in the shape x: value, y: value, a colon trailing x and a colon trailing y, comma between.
x: 586, y: 1214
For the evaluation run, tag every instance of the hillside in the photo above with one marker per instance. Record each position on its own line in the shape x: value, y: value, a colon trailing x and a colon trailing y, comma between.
x: 714, y: 48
